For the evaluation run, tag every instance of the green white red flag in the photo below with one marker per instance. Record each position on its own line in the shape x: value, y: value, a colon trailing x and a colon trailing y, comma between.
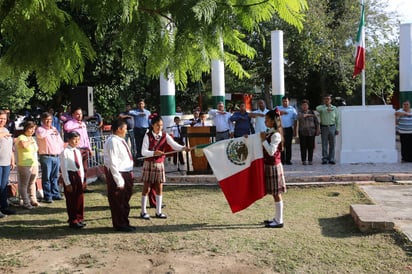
x: 360, y: 58
x: 238, y: 166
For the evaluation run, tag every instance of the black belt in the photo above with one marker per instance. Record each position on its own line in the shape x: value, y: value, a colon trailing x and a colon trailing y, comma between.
x: 50, y: 155
x: 222, y: 131
x: 327, y: 125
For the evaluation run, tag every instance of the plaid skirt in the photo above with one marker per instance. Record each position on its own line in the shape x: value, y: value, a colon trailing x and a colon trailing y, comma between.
x: 153, y: 173
x: 274, y: 179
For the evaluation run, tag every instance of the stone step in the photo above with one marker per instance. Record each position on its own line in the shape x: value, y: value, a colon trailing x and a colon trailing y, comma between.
x: 371, y: 218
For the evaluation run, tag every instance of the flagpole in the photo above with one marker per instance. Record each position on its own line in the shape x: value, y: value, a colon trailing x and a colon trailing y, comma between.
x: 363, y: 71
x: 363, y: 88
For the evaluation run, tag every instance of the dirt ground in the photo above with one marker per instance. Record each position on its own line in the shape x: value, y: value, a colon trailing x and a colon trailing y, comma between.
x: 50, y: 257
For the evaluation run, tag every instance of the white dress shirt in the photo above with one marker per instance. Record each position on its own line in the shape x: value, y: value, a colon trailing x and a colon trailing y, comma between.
x: 221, y: 120
x: 117, y: 158
x: 260, y: 125
x: 145, y: 146
x: 68, y: 163
x: 275, y: 140
x: 176, y: 130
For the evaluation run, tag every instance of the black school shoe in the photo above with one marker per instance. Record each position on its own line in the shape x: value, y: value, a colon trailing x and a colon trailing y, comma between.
x: 76, y: 226
x: 274, y: 224
x: 8, y: 211
x: 161, y: 216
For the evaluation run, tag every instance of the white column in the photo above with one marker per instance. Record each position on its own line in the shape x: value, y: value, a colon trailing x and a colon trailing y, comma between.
x: 218, y: 79
x: 405, y: 63
x: 278, y: 77
x: 167, y: 100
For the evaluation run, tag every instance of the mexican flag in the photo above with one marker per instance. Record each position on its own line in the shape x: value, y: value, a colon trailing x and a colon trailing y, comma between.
x: 238, y: 166
x: 360, y: 42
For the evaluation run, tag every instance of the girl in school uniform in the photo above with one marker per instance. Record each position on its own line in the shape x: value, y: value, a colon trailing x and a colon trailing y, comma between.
x: 155, y: 144
x: 274, y: 176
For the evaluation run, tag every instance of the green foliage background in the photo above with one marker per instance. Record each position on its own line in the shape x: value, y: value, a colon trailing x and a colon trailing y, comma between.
x: 121, y: 47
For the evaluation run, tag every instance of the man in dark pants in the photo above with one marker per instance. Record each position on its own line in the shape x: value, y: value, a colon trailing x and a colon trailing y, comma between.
x: 118, y: 163
x: 141, y: 125
x: 289, y: 123
x: 130, y: 126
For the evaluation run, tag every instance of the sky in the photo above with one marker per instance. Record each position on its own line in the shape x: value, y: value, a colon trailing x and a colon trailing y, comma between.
x: 403, y: 8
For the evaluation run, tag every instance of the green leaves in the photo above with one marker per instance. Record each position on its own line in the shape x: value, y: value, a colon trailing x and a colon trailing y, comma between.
x: 53, y: 38
x: 43, y: 39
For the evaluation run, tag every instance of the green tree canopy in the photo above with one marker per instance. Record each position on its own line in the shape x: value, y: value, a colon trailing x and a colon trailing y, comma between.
x: 152, y: 37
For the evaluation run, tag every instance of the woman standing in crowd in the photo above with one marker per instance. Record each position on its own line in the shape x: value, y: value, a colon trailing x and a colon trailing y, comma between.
x: 27, y: 165
x: 154, y: 146
x: 308, y: 129
x: 6, y: 164
x: 404, y: 128
x: 274, y: 176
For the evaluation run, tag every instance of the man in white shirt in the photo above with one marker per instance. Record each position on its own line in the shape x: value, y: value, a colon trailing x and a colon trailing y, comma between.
x: 118, y: 162
x: 202, y: 121
x: 289, y: 117
x: 259, y: 117
x: 224, y: 127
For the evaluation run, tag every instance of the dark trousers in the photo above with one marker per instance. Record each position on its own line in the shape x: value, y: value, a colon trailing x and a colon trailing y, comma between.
x: 307, y: 144
x: 152, y: 197
x: 139, y: 134
x: 406, y: 147
x: 178, y: 140
x: 286, y: 154
x: 85, y: 159
x: 4, y: 181
x: 119, y: 198
x: 75, y: 199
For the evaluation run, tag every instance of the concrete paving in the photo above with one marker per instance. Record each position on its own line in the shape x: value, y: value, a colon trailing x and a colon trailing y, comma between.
x: 387, y: 185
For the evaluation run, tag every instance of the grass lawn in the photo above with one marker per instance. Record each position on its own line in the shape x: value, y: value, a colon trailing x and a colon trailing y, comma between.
x: 202, y: 235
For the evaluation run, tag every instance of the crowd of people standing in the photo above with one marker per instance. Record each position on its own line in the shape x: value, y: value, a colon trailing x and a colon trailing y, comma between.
x: 60, y: 147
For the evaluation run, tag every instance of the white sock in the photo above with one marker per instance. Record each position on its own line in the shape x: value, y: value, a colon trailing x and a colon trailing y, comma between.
x: 144, y: 203
x: 279, y: 212
x: 158, y: 204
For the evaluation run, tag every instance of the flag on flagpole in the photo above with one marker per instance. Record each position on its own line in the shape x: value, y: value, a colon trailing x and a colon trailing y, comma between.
x: 238, y: 166
x: 360, y: 43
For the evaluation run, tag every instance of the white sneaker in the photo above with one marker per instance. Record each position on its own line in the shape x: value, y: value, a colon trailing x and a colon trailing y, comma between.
x: 2, y: 215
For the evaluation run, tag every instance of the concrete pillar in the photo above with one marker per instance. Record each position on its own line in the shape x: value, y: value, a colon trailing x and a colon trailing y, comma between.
x: 218, y: 80
x: 405, y: 63
x: 278, y: 79
x: 167, y: 100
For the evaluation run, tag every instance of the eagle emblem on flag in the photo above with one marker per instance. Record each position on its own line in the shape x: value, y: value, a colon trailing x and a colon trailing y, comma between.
x: 237, y: 152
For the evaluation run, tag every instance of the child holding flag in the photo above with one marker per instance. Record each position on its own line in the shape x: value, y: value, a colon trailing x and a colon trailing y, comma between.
x: 155, y: 144
x: 275, y: 181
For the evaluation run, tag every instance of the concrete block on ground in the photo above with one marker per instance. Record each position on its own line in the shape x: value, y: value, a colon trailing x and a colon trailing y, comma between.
x: 371, y: 218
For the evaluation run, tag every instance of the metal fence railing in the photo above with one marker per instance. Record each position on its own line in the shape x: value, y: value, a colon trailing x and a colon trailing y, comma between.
x: 96, y: 144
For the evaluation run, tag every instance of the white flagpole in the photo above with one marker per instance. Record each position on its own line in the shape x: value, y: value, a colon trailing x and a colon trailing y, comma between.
x: 363, y: 71
x: 363, y: 87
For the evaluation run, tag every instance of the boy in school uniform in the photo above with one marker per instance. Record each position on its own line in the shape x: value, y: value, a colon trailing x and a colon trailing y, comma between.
x: 73, y: 177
